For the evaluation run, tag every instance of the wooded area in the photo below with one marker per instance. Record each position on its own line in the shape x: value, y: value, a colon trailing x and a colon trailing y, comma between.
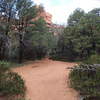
x: 20, y: 37
x: 81, y: 37
x: 26, y: 36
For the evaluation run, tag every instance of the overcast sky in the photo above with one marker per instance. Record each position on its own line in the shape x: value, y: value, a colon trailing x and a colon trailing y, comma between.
x: 61, y: 9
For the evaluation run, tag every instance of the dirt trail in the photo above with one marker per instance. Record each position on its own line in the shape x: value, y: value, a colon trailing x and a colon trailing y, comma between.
x: 47, y: 80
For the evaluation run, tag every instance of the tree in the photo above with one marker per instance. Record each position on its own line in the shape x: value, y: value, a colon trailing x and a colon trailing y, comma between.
x: 75, y: 17
x: 41, y: 39
x: 95, y: 11
x: 7, y: 14
x: 25, y: 13
x: 82, y: 39
x: 22, y: 30
x: 90, y: 28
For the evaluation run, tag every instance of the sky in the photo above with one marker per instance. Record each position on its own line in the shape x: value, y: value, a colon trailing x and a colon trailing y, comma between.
x: 61, y: 9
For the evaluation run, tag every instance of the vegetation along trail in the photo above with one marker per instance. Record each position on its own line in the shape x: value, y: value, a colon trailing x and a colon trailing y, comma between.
x: 46, y: 80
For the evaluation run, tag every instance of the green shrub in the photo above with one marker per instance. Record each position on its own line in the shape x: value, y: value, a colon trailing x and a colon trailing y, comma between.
x: 4, y: 66
x: 12, y: 86
x: 85, y: 78
x: 94, y: 59
x: 92, y: 98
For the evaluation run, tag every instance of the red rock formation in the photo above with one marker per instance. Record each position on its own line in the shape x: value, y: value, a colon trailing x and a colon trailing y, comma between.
x: 45, y: 15
x: 54, y: 28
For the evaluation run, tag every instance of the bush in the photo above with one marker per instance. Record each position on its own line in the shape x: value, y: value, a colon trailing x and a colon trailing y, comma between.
x: 4, y: 66
x: 94, y: 59
x: 12, y: 86
x: 85, y: 78
x: 92, y: 98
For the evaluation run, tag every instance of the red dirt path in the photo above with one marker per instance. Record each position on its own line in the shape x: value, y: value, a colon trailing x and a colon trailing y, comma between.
x: 47, y: 80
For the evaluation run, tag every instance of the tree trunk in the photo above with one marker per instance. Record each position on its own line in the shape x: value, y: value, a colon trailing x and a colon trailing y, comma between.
x: 20, y: 59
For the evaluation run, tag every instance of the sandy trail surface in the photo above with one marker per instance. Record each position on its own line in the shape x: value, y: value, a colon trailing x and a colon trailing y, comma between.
x: 47, y: 80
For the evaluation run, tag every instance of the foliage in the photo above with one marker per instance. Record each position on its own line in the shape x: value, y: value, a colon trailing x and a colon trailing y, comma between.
x: 12, y: 85
x: 75, y: 17
x: 41, y: 39
x: 7, y: 13
x: 23, y: 34
x: 4, y: 66
x: 81, y: 39
x: 93, y: 59
x: 15, y: 17
x: 85, y: 79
